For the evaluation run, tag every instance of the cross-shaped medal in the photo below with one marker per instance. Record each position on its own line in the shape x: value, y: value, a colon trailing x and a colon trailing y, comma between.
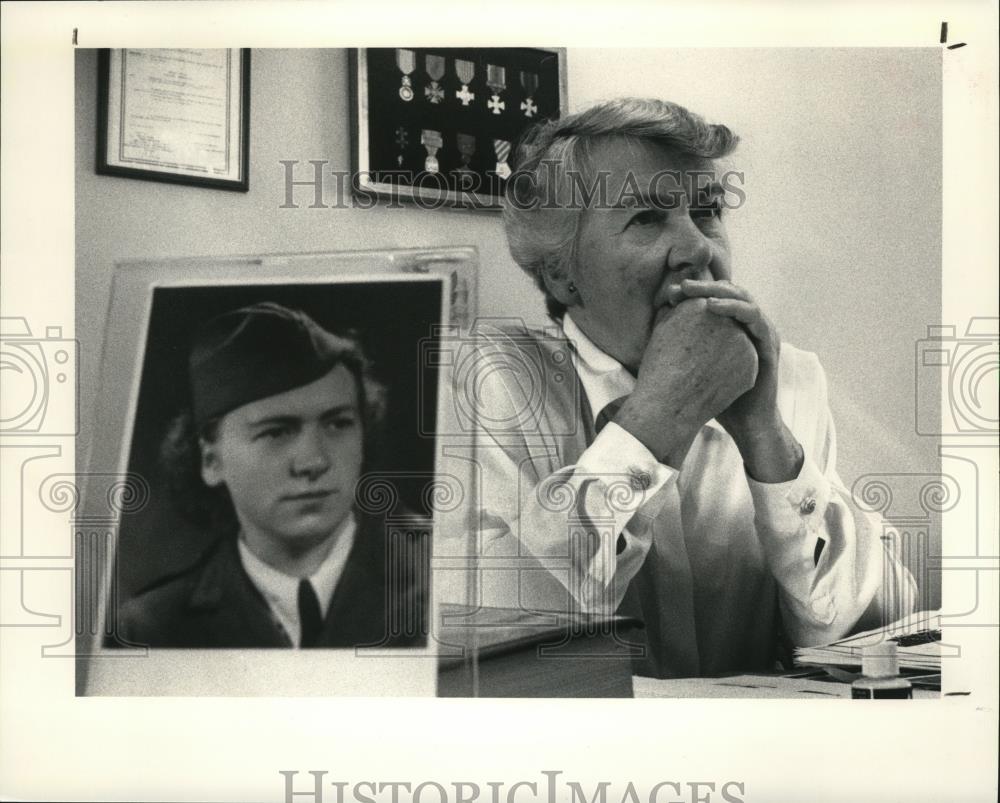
x: 402, y: 140
x: 529, y: 108
x: 465, y: 95
x: 496, y: 105
x: 434, y: 93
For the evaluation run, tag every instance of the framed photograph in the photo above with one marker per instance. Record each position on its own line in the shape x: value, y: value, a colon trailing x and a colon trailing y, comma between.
x: 255, y: 409
x: 176, y: 115
x: 437, y: 126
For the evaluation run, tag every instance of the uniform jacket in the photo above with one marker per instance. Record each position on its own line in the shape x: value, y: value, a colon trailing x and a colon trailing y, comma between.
x: 381, y: 599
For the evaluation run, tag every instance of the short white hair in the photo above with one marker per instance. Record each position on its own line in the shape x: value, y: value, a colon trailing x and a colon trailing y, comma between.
x: 542, y: 235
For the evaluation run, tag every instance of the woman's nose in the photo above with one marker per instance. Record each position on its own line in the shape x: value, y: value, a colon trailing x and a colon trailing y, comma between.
x: 690, y: 251
x: 312, y: 455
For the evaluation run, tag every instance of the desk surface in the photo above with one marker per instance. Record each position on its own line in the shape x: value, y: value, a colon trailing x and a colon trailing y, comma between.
x: 550, y: 654
x: 761, y: 686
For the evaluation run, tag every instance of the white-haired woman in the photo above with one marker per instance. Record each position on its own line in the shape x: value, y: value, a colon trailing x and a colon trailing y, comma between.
x: 665, y: 455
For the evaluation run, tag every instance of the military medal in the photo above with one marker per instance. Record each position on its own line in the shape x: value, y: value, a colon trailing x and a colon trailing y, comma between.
x: 502, y: 148
x: 529, y: 83
x: 431, y: 140
x: 466, y: 147
x: 402, y: 141
x: 496, y: 79
x: 406, y: 60
x: 465, y: 70
x: 435, y: 69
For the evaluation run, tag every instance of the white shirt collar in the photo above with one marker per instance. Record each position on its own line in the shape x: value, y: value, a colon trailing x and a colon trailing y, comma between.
x: 604, y: 379
x: 282, y: 590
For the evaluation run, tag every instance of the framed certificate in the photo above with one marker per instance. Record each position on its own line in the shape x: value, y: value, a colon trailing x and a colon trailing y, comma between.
x: 177, y: 115
x: 438, y: 126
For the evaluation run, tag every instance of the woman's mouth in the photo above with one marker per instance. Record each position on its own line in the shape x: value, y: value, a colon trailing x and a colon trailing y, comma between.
x: 308, y: 496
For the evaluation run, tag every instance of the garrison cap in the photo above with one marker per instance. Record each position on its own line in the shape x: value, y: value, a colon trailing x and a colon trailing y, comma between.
x: 255, y: 352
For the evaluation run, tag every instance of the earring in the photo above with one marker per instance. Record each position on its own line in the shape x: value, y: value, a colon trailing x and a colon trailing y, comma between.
x: 572, y: 288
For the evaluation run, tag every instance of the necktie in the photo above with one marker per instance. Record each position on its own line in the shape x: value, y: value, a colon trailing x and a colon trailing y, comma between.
x: 603, y: 418
x: 608, y: 413
x: 310, y: 618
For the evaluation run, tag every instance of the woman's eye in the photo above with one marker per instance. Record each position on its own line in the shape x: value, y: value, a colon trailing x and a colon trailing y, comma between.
x: 273, y: 433
x: 648, y: 217
x: 707, y: 212
x: 341, y: 422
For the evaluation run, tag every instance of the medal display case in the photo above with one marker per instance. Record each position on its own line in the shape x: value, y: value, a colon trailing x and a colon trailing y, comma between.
x: 437, y: 126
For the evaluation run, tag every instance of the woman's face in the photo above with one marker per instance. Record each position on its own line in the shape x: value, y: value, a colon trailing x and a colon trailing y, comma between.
x: 291, y: 462
x: 662, y: 224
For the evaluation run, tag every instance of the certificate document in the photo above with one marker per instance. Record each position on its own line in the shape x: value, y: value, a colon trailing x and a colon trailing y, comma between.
x: 176, y: 111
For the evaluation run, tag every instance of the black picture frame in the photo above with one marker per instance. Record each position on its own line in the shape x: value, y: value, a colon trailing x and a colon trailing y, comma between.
x: 391, y: 165
x: 113, y: 164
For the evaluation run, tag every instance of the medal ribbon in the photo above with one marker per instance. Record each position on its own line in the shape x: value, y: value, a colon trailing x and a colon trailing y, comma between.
x: 529, y: 82
x: 502, y: 149
x: 466, y: 147
x: 465, y: 70
x: 496, y: 78
x: 435, y: 67
x: 406, y: 60
x: 431, y: 140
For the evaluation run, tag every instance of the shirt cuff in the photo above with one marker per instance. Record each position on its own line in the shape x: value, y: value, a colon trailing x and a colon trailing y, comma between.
x: 791, y: 521
x: 617, y: 456
x: 789, y: 506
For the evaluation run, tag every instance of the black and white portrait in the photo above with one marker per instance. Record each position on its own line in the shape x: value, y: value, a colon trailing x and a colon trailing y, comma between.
x: 256, y: 422
x: 701, y: 403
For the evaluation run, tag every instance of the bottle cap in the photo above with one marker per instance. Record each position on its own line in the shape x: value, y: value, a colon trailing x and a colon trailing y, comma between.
x: 880, y: 660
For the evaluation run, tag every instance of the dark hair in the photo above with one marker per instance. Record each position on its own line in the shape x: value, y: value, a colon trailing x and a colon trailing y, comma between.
x: 180, y: 449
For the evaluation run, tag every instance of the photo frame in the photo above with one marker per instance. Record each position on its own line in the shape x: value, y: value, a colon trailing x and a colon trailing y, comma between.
x: 131, y: 535
x: 437, y: 126
x: 175, y: 115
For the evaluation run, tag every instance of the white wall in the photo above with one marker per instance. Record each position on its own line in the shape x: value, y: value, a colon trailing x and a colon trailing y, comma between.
x: 839, y: 238
x: 840, y: 235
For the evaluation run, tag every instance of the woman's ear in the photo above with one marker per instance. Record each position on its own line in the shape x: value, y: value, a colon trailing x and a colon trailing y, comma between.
x: 211, y: 463
x: 559, y: 283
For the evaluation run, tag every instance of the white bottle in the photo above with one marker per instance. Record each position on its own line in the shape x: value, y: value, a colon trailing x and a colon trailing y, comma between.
x: 880, y: 675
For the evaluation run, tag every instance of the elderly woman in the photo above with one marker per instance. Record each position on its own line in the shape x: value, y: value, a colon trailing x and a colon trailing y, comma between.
x: 664, y: 454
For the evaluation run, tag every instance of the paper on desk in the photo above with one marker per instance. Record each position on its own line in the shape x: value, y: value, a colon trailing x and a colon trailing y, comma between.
x: 918, y: 637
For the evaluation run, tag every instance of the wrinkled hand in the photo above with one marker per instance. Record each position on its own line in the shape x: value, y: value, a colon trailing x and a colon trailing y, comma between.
x: 695, y: 365
x: 753, y: 420
x: 757, y: 409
